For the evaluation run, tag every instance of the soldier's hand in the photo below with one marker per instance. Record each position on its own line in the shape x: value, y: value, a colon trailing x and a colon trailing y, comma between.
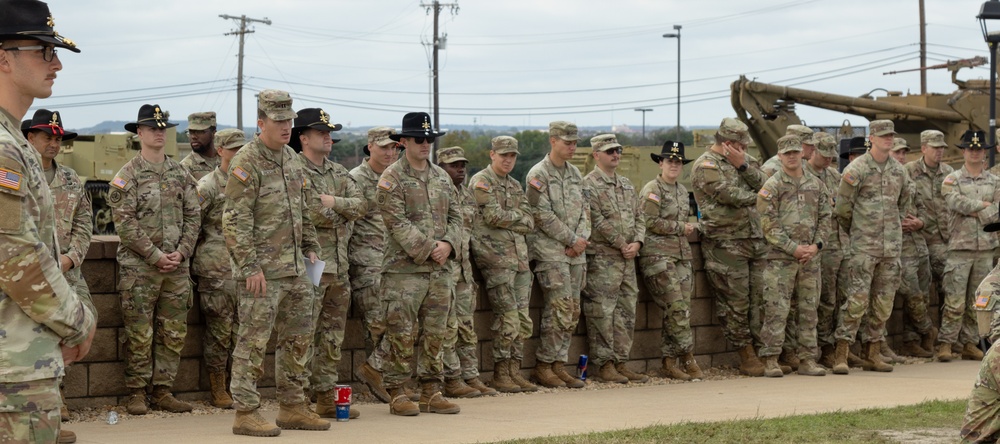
x: 688, y: 228
x: 327, y: 200
x: 801, y: 252
x: 65, y: 263
x: 177, y: 257
x: 74, y: 354
x: 735, y: 156
x: 579, y: 246
x: 570, y: 252
x: 313, y: 258
x: 441, y: 252
x: 631, y: 250
x: 257, y: 285
x: 166, y: 264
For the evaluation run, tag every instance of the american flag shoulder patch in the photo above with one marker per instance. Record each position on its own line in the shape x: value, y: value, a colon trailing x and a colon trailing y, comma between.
x: 385, y: 184
x: 241, y: 174
x: 850, y: 178
x: 653, y: 197
x: 710, y: 164
x: 764, y: 193
x: 201, y: 199
x: 536, y: 184
x: 10, y: 179
x: 119, y: 182
x: 950, y: 180
x: 982, y: 301
x: 483, y: 186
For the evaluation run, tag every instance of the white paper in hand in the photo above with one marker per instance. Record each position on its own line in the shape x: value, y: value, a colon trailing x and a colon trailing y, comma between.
x: 314, y: 270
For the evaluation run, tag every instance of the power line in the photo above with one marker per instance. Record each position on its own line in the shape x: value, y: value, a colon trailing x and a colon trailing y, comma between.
x: 148, y: 88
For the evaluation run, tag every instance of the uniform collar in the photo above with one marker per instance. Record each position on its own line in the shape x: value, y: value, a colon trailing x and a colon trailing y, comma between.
x: 606, y: 178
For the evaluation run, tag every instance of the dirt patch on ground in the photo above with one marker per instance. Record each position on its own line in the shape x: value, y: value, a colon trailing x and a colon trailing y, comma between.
x: 922, y: 436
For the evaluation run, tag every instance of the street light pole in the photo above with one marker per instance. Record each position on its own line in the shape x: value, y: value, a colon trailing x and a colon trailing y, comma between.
x: 644, y: 111
x: 991, y: 11
x: 677, y: 35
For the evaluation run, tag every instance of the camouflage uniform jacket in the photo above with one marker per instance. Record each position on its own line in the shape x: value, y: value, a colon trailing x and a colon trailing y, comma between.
x: 964, y: 196
x: 155, y: 213
x: 927, y: 184
x: 75, y: 224
x: 367, y: 245
x: 419, y: 209
x: 264, y: 220
x: 830, y: 177
x: 38, y: 309
x: 793, y: 211
x: 331, y: 224
x: 211, y: 258
x: 470, y: 216
x: 504, y: 218
x: 560, y: 211
x: 616, y: 216
x: 666, y: 209
x: 914, y: 244
x: 870, y: 202
x: 726, y: 197
x: 200, y: 166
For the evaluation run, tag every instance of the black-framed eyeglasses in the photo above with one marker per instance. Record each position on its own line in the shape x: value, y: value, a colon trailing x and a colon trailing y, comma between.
x: 48, y: 51
x: 422, y: 139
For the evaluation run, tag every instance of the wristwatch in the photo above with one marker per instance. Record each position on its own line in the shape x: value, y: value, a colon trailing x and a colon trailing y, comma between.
x: 742, y: 168
x: 819, y: 245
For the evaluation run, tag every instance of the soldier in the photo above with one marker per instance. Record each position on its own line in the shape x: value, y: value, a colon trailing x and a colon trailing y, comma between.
x: 267, y: 234
x: 210, y: 264
x: 202, y: 159
x: 461, y: 365
x: 423, y: 223
x: 558, y: 248
x: 981, y: 423
x: 805, y: 134
x: 501, y: 253
x: 972, y: 195
x: 871, y: 201
x: 856, y: 147
x: 725, y: 187
x: 339, y: 202
x: 665, y: 259
x: 611, y: 293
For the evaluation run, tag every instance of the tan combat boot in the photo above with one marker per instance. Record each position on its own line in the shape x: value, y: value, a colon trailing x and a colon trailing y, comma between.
x: 501, y: 378
x: 559, y: 368
x: 401, y: 405
x: 913, y: 348
x: 972, y: 353
x: 810, y: 368
x: 64, y: 410
x: 410, y: 393
x: 928, y: 339
x: 220, y: 397
x: 431, y: 400
x: 872, y: 351
x: 788, y: 359
x: 136, y: 403
x: 477, y: 384
x: 771, y: 367
x: 545, y: 376
x: 827, y: 353
x: 840, y: 358
x: 514, y: 371
x: 457, y: 388
x: 888, y: 355
x: 691, y: 366
x: 749, y: 364
x: 162, y: 399
x: 631, y: 375
x: 672, y: 371
x: 299, y: 417
x: 326, y: 405
x: 944, y: 352
x: 66, y: 437
x: 252, y: 424
x: 608, y: 373
x: 373, y: 379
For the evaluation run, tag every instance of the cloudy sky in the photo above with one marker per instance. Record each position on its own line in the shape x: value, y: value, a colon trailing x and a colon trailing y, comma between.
x: 515, y: 62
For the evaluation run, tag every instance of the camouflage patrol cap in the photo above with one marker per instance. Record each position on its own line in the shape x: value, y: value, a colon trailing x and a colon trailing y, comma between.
x: 604, y: 142
x: 564, y: 130
x: 804, y: 133
x: 379, y: 136
x: 899, y: 143
x: 826, y: 144
x: 451, y: 154
x: 789, y: 143
x: 201, y: 121
x: 276, y: 104
x: 733, y: 129
x: 881, y: 128
x: 230, y: 138
x: 933, y: 138
x: 504, y: 145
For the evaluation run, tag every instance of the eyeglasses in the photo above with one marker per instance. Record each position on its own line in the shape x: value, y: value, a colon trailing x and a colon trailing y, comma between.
x: 422, y: 139
x: 48, y: 52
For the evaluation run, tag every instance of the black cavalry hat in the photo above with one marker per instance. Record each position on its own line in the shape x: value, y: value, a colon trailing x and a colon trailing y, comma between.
x: 857, y: 145
x: 670, y: 149
x: 30, y: 20
x: 974, y: 139
x: 48, y: 121
x: 314, y: 118
x: 416, y: 125
x: 149, y: 115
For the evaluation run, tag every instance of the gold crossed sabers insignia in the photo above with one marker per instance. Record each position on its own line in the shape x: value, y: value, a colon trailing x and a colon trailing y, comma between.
x: 159, y: 117
x: 55, y: 119
x: 975, y: 139
x: 674, y: 149
x: 50, y: 22
x: 323, y: 117
x: 426, y: 125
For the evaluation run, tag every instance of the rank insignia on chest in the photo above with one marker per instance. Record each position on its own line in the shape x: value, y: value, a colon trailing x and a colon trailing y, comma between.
x: 982, y: 301
x: 765, y: 194
x: 241, y: 174
x: 710, y: 164
x: 385, y: 184
x: 850, y: 179
x: 535, y: 183
x: 653, y: 197
x: 10, y: 179
x: 950, y: 180
x: 482, y: 186
x: 119, y: 182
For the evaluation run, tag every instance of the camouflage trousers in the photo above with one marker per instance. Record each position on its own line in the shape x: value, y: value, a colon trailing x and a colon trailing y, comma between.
x: 938, y: 257
x: 869, y: 285
x: 29, y: 411
x: 735, y: 269
x: 671, y: 291
x: 285, y: 309
x: 609, y: 301
x: 415, y: 300
x: 330, y: 307
x: 508, y: 292
x: 561, y: 284
x: 365, y: 283
x: 155, y: 308
x: 982, y: 414
x: 915, y: 288
x: 783, y: 281
x: 218, y: 306
x: 829, y: 297
x: 963, y: 272
x: 460, y: 359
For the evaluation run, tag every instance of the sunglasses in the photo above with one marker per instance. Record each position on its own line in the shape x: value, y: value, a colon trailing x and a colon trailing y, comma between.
x: 48, y: 52
x: 613, y: 151
x: 423, y: 139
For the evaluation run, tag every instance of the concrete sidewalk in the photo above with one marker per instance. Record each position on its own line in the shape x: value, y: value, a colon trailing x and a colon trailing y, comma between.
x: 569, y: 412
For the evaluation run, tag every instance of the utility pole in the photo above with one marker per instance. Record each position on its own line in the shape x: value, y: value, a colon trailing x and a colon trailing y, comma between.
x: 644, y: 111
x: 923, y: 50
x: 242, y: 32
x: 436, y: 7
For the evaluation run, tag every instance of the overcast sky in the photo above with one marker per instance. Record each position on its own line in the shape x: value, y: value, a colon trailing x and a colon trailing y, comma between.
x: 512, y: 62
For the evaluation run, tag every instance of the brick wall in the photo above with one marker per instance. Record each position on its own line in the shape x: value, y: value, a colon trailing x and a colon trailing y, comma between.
x: 99, y: 379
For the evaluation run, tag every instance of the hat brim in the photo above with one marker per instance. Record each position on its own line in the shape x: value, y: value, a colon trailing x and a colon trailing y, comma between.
x: 885, y: 133
x: 280, y: 116
x: 457, y: 159
x: 132, y: 127
x: 401, y: 135
x: 658, y: 158
x: 58, y: 41
x: 937, y: 145
x: 66, y: 135
x: 610, y: 146
x: 196, y: 127
x: 568, y: 138
x: 963, y: 146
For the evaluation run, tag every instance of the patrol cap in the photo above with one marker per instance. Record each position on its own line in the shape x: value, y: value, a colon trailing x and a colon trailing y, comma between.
x: 734, y: 130
x: 451, y: 154
x: 564, y: 130
x: 604, y: 142
x: 230, y: 138
x: 276, y: 104
x: 804, y: 133
x: 504, y: 145
x: 380, y: 136
x: 826, y: 144
x: 30, y: 20
x: 201, y: 121
x: 789, y: 143
x: 881, y: 128
x: 933, y: 138
x: 149, y: 115
x: 899, y: 143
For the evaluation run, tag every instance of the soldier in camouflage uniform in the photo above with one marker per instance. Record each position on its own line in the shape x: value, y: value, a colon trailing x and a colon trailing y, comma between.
x: 611, y: 293
x: 501, y: 253
x: 805, y: 134
x: 972, y: 195
x: 725, y: 186
x: 870, y: 206
x: 211, y: 266
x: 45, y: 324
x: 423, y: 223
x: 202, y: 160
x: 154, y: 204
x: 268, y: 233
x: 558, y: 247
x: 665, y: 259
x: 339, y: 202
x: 461, y: 364
x: 982, y: 414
